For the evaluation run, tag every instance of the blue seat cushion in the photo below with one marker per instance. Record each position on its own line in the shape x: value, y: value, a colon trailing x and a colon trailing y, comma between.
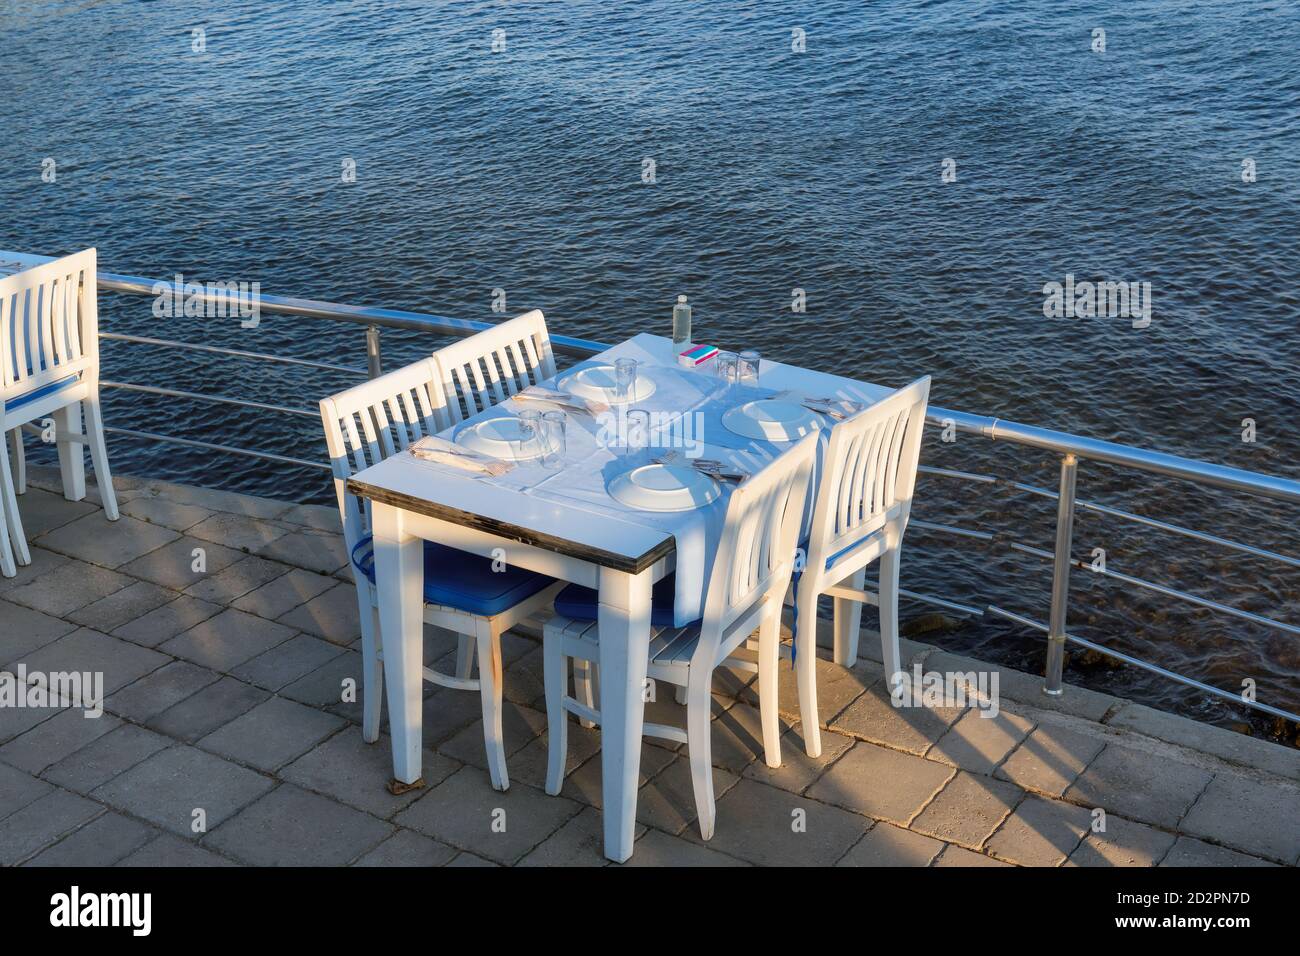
x: 28, y: 397
x: 580, y: 603
x: 465, y: 581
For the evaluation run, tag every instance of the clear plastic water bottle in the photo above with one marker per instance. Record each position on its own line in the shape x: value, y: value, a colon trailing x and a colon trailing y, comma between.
x: 681, y: 323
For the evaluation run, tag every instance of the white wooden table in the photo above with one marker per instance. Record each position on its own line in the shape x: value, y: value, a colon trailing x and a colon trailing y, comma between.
x: 620, y: 559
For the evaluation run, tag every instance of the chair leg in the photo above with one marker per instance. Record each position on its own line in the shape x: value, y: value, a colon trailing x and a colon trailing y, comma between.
x: 556, y: 667
x: 372, y: 671
x: 805, y: 642
x: 489, y: 689
x: 889, y: 652
x: 679, y: 694
x: 20, y: 462
x: 464, y: 656
x: 584, y: 679
x: 99, y: 456
x: 7, y: 566
x: 769, y: 641
x: 18, y: 553
x: 72, y: 459
x: 848, y: 621
x: 699, y: 746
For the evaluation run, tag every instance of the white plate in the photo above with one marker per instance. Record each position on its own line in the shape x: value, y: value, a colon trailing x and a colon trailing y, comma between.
x: 771, y: 419
x: 664, y: 488
x: 597, y: 382
x: 499, y: 438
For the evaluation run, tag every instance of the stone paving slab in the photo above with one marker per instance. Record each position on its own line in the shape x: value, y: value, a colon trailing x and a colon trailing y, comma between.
x: 1050, y: 759
x: 1258, y: 818
x: 272, y: 734
x: 331, y: 615
x: 41, y: 822
x: 120, y: 662
x: 887, y: 845
x: 182, y: 563
x: 1040, y: 832
x: 240, y: 532
x: 167, y: 621
x: 798, y: 771
x: 227, y: 640
x: 122, y: 607
x: 312, y: 550
x: 1123, y: 843
x: 771, y: 827
x: 873, y: 717
x: 280, y: 596
x: 658, y: 849
x: 1139, y: 785
x: 408, y: 848
x: 168, y: 787
x: 979, y: 742
x: 882, y: 783
x: 104, y: 758
x: 206, y: 710
x: 1206, y: 738
x: 347, y: 769
x: 67, y: 587
x: 17, y: 789
x: 43, y: 511
x: 110, y: 544
x: 160, y: 689
x: 1190, y: 852
x: 464, y: 811
x: 168, y: 514
x: 233, y: 582
x: 51, y: 740
x: 293, y: 827
x: 101, y: 842
x: 287, y: 662
x: 968, y: 809
x: 43, y: 563
x: 168, y: 850
x: 26, y: 630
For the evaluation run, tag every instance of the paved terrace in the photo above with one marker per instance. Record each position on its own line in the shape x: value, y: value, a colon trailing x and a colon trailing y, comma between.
x: 224, y: 693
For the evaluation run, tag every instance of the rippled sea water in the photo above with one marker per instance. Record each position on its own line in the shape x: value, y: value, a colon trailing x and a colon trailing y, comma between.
x: 775, y: 170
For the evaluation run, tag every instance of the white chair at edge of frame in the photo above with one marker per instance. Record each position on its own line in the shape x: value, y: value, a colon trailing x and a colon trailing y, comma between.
x: 462, y: 592
x: 864, y: 497
x: 746, y: 589
x: 49, y: 366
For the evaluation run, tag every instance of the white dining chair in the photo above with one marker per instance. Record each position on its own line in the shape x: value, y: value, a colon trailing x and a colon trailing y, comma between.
x: 490, y: 366
x: 49, y: 367
x: 463, y: 592
x: 746, y: 587
x: 863, y: 500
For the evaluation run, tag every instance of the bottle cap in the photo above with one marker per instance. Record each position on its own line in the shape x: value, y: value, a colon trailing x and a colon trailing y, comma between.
x: 681, y: 298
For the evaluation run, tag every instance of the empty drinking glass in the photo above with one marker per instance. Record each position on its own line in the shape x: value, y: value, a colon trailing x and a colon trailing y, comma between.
x: 625, y: 379
x: 638, y: 428
x: 555, y: 433
x: 530, y: 429
x: 725, y: 367
x: 747, y: 367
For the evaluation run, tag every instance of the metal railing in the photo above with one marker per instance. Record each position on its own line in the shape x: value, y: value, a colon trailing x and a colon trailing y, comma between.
x: 1071, y: 448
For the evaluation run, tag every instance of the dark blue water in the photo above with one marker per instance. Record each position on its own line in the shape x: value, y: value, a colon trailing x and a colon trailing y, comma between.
x: 776, y: 170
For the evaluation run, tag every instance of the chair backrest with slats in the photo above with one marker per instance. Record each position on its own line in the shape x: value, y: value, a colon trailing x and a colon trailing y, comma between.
x: 487, y: 368
x: 49, y: 325
x: 868, y: 473
x: 369, y: 422
x: 756, y: 553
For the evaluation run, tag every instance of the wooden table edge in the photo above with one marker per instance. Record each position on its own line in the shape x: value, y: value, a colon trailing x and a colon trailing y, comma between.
x: 504, y: 529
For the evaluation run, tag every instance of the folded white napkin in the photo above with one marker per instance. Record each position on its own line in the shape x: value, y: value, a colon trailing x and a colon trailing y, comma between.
x: 562, y: 399
x: 443, y: 452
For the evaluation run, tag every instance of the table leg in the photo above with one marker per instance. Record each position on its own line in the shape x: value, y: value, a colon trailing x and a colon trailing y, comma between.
x: 624, y: 622
x: 399, y: 579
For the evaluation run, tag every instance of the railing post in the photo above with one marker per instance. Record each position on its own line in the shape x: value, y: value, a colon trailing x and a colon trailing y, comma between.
x: 374, y: 362
x: 1060, y: 578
